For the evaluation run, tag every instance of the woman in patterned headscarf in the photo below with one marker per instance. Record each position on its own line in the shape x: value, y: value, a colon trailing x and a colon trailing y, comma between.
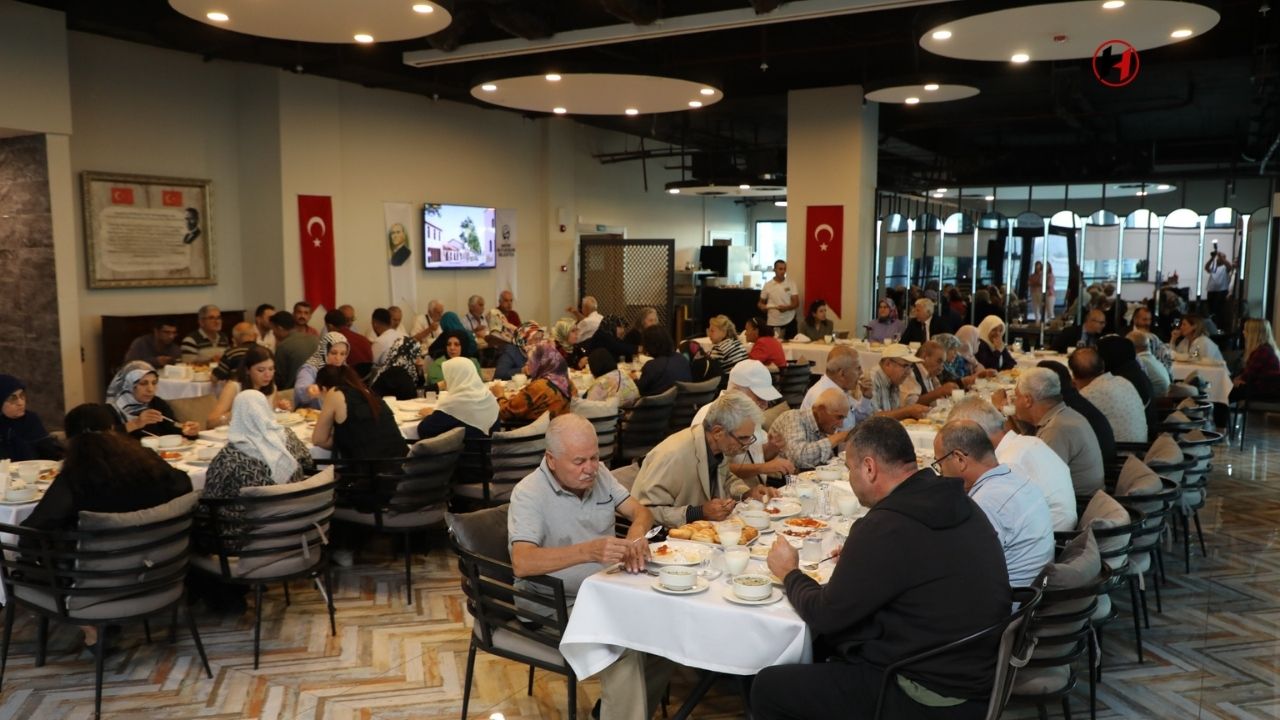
x: 515, y: 353
x: 132, y: 396
x: 397, y: 372
x: 609, y: 337
x: 549, y: 388
x: 887, y: 324
x: 565, y: 335
x: 332, y: 350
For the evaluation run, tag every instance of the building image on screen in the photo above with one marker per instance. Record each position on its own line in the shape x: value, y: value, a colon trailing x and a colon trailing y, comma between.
x: 458, y: 236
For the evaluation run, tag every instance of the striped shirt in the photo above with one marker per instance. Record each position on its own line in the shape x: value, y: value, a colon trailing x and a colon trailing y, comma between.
x: 729, y: 352
x: 198, y: 347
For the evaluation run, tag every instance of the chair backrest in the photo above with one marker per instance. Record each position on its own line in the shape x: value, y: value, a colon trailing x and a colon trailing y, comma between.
x: 271, y: 524
x: 793, y: 382
x: 690, y: 396
x: 604, y: 417
x: 196, y: 409
x: 126, y: 556
x: 1155, y: 508
x: 646, y: 424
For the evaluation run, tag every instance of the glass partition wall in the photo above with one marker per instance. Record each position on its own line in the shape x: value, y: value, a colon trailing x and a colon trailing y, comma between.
x: 1214, y: 262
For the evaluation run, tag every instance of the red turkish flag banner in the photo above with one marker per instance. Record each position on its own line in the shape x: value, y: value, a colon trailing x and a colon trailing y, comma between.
x: 121, y: 196
x: 315, y: 228
x: 171, y: 198
x: 823, y: 243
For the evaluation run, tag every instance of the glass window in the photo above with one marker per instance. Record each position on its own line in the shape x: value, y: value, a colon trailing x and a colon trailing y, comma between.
x: 771, y: 242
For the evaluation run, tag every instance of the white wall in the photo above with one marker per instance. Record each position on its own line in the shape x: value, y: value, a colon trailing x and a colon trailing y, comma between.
x: 33, y: 70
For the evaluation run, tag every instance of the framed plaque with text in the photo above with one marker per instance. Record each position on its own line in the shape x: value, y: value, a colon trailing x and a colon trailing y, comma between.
x: 147, y: 231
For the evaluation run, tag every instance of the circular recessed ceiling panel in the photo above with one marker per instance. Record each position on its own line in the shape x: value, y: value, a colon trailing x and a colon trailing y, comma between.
x: 694, y: 188
x: 321, y: 21
x: 1067, y: 30
x: 597, y: 93
x: 927, y: 93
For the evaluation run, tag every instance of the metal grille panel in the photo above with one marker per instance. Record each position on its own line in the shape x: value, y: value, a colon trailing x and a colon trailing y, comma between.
x: 626, y: 276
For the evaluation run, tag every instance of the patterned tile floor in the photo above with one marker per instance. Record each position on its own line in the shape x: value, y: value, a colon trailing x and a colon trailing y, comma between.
x: 1213, y: 653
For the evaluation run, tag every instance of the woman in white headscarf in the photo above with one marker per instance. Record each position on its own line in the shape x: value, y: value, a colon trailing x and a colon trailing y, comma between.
x: 992, y: 352
x: 332, y: 350
x: 132, y: 396
x: 467, y: 404
x: 258, y: 451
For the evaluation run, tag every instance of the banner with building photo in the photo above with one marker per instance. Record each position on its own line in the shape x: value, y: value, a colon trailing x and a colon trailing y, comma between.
x: 505, y: 219
x: 403, y: 242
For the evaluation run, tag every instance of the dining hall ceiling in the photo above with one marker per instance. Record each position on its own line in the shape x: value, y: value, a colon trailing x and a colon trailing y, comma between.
x: 1206, y: 106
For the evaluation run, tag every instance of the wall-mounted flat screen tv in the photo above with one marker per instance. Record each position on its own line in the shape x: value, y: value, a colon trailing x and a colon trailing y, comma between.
x: 458, y: 236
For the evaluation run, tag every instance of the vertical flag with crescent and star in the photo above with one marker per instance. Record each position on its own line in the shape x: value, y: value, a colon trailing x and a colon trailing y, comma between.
x: 315, y: 228
x: 823, y: 241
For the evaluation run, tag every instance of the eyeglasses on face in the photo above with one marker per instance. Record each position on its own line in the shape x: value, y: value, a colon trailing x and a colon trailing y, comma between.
x: 936, y: 465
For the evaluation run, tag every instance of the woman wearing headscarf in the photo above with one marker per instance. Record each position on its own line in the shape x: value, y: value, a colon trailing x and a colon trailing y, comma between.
x: 256, y: 372
x: 453, y: 344
x: 955, y: 366
x: 22, y: 434
x: 469, y: 404
x: 887, y: 325
x: 609, y: 337
x: 608, y: 381
x: 1121, y: 360
x: 397, y: 373
x: 332, y: 350
x: 258, y: 451
x: 514, y: 354
x: 132, y: 396
x: 565, y: 335
x: 549, y: 388
x: 992, y: 352
x: 450, y: 322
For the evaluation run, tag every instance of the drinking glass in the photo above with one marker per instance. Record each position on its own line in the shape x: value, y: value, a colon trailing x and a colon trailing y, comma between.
x: 730, y: 534
x: 704, y: 567
x: 735, y: 560
x: 1017, y: 345
x: 846, y: 503
x: 811, y: 551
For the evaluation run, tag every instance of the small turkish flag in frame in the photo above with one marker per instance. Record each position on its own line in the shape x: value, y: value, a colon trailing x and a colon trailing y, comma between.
x: 171, y: 198
x: 121, y: 196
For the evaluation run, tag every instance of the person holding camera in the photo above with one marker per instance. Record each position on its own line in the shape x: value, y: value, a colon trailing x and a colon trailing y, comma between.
x: 1218, y: 282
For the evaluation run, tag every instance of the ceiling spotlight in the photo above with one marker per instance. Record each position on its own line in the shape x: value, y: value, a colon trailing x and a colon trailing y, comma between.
x: 744, y: 186
x: 1180, y: 33
x: 1141, y: 193
x: 553, y: 77
x: 559, y: 110
x: 941, y: 190
x: 941, y: 35
x: 363, y: 38
x: 218, y: 16
x: 911, y: 100
x: 707, y: 91
x: 489, y: 87
x: 1162, y: 186
x: 674, y: 191
x: 1113, y: 4
x: 695, y: 103
x: 937, y: 195
x: 990, y: 198
x: 425, y: 9
x: 931, y: 87
x: 1020, y: 58
x: 631, y: 111
x: 779, y: 203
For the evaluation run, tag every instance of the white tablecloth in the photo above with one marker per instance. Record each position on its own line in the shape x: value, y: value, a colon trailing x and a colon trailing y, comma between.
x: 1218, y: 376
x: 170, y: 389
x: 815, y: 353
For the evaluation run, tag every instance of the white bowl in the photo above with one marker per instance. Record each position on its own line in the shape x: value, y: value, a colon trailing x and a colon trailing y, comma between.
x: 206, y: 453
x: 171, y: 441
x: 829, y: 473
x: 151, y: 442
x: 677, y: 577
x: 20, y: 494
x: 757, y: 519
x: 752, y: 587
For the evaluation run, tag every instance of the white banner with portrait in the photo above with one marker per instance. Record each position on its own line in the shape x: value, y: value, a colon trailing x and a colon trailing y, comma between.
x: 404, y: 246
x: 505, y: 219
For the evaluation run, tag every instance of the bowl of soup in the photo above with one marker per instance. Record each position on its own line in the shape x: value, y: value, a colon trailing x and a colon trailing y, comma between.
x: 677, y: 577
x: 752, y: 587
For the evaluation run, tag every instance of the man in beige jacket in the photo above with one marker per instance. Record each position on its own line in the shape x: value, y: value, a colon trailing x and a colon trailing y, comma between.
x: 681, y: 481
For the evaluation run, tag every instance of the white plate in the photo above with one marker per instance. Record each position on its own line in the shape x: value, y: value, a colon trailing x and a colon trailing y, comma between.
x: 774, y: 596
x: 699, y: 585
x: 35, y: 497
x: 289, y: 419
x: 196, y: 462
x: 760, y: 552
x: 681, y: 554
x: 786, y: 508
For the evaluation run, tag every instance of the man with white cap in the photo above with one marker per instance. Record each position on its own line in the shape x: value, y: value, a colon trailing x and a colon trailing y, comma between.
x: 844, y: 370
x: 885, y: 383
x: 763, y: 457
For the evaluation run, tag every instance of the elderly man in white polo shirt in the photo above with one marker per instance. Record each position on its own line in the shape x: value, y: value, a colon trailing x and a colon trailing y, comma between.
x: 561, y: 523
x: 1028, y: 455
x: 752, y: 378
x: 588, y: 318
x: 844, y: 370
x: 884, y: 384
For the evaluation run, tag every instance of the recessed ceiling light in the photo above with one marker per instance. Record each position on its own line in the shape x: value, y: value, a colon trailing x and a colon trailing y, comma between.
x: 1113, y: 4
x: 931, y: 87
x: 553, y: 77
x: 938, y: 195
x: 779, y: 203
x: 1180, y: 33
x: 695, y: 103
x: 1162, y: 186
x: 218, y: 16
x: 911, y: 100
x: 1020, y: 58
x: 559, y: 110
x: 489, y: 87
x: 744, y: 186
x: 707, y: 91
x: 941, y: 190
x: 363, y: 38
x: 631, y: 111
x: 425, y: 9
x: 989, y: 198
x: 674, y: 191
x: 1141, y: 193
x: 942, y: 35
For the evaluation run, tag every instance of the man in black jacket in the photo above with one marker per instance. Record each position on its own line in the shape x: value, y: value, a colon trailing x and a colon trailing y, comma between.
x: 923, y: 324
x: 922, y: 568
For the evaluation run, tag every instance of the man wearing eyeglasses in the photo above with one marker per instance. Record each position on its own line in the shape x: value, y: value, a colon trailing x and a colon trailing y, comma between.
x: 810, y: 437
x: 1016, y: 508
x: 762, y: 457
x: 683, y: 479
x: 885, y: 381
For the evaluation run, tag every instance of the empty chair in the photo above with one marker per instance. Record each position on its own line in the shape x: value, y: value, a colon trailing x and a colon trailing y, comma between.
x: 794, y: 380
x: 645, y: 425
x: 604, y: 417
x: 489, y: 469
x: 406, y: 500
x: 690, y: 397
